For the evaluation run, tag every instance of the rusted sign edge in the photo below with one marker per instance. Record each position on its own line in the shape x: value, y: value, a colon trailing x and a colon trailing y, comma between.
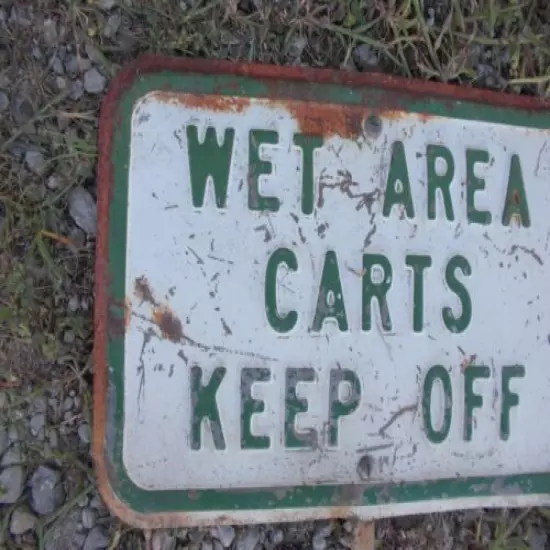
x: 108, y: 121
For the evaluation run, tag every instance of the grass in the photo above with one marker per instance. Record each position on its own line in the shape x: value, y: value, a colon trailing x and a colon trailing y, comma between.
x: 46, y: 263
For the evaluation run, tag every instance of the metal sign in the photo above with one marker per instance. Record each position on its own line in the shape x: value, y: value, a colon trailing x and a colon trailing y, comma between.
x: 318, y: 294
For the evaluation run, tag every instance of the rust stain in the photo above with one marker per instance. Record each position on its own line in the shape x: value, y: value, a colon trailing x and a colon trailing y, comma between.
x: 467, y: 362
x: 216, y: 103
x: 168, y: 323
x: 143, y: 291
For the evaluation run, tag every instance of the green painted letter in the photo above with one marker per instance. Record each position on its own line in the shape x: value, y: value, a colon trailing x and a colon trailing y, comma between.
x: 330, y: 301
x: 257, y: 167
x: 250, y: 406
x: 473, y: 184
x: 398, y: 187
x: 437, y: 372
x: 472, y: 400
x: 204, y: 405
x: 280, y: 323
x: 338, y: 408
x: 376, y: 289
x: 418, y: 265
x: 307, y: 144
x: 209, y: 159
x: 509, y: 398
x: 453, y: 323
x: 516, y: 199
x: 295, y: 405
x: 441, y: 182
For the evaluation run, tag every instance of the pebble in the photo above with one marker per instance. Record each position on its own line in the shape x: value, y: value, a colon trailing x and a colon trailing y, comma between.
x: 57, y: 66
x: 319, y: 543
x: 74, y: 303
x: 112, y: 25
x: 71, y: 65
x: 11, y: 482
x: 61, y: 83
x: 181, y: 533
x: 21, y: 109
x: 67, y: 404
x: 47, y: 492
x: 323, y: 530
x: 94, y: 81
x: 248, y: 539
x: 35, y: 162
x: 84, y: 433
x: 50, y: 33
x: 12, y: 456
x: 53, y: 438
x: 82, y: 208
x: 4, y: 101
x: 366, y: 57
x: 536, y: 538
x: 37, y: 423
x: 97, y: 539
x: 217, y: 545
x: 207, y: 545
x: 162, y: 540
x: 277, y: 536
x: 77, y: 402
x: 196, y: 535
x: 225, y: 534
x: 37, y: 53
x: 21, y: 521
x: 89, y: 517
x: 98, y: 504
x: 52, y: 183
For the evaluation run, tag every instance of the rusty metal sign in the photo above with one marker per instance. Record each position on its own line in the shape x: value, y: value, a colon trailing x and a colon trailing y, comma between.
x: 318, y: 294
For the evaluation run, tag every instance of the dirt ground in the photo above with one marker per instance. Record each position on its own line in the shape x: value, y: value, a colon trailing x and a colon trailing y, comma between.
x: 56, y: 60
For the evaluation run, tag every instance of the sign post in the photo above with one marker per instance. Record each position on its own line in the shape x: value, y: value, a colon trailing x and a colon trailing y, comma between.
x: 318, y: 295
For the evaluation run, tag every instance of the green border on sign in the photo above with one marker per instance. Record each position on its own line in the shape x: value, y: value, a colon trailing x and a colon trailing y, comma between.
x: 144, y: 501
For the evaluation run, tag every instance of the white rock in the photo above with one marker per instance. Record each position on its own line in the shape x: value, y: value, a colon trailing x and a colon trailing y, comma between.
x: 35, y: 162
x: 84, y: 432
x: 11, y: 484
x: 82, y: 208
x: 224, y: 533
x: 94, y: 81
x: 21, y: 521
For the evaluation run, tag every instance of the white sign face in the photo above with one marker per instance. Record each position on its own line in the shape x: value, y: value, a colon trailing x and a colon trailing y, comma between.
x: 332, y: 309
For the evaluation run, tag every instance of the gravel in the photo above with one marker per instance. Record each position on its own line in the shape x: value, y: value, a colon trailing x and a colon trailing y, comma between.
x: 11, y: 484
x: 21, y: 521
x: 82, y: 208
x: 97, y: 539
x: 47, y: 492
x: 94, y: 81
